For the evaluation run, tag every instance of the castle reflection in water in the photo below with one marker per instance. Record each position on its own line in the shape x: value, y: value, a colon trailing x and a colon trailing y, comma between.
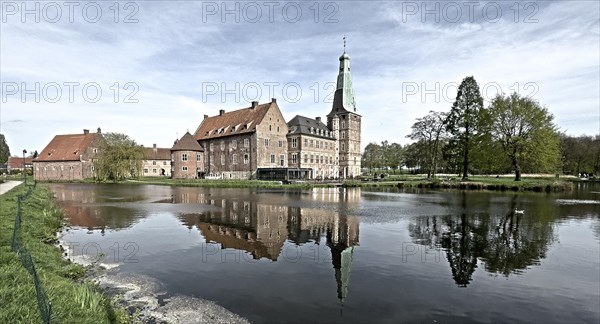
x: 261, y: 224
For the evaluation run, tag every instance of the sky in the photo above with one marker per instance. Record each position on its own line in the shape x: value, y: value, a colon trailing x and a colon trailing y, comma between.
x: 153, y: 69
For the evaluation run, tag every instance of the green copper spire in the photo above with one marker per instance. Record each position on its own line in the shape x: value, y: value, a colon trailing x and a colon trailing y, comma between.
x: 343, y: 99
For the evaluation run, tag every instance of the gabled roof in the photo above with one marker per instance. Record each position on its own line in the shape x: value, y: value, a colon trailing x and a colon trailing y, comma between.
x: 67, y: 147
x: 152, y: 153
x: 15, y: 162
x: 187, y: 143
x: 233, y: 123
x: 309, y: 126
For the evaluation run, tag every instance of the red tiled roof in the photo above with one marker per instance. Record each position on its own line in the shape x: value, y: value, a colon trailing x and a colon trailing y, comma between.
x: 151, y: 153
x: 67, y: 147
x: 187, y: 143
x: 15, y: 162
x: 232, y: 123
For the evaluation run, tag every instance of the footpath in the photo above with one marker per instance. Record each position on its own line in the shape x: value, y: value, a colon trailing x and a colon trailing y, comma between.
x: 6, y: 186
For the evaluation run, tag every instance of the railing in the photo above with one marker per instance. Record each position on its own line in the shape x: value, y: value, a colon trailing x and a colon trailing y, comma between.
x: 44, y: 305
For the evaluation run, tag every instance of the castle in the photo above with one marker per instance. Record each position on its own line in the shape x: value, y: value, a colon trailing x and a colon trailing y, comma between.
x: 257, y: 143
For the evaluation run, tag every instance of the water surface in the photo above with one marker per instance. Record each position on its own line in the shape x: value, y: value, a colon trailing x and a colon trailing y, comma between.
x: 352, y: 255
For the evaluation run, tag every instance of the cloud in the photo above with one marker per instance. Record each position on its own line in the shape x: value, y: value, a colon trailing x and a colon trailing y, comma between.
x: 172, y: 53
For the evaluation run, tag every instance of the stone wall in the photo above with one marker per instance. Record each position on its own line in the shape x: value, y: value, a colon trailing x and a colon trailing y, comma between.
x: 314, y: 152
x: 68, y: 170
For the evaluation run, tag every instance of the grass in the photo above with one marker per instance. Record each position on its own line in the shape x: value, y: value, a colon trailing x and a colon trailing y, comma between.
x: 73, y: 300
x: 537, y: 184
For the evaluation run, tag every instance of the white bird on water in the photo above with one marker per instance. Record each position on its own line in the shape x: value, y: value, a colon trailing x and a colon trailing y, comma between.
x: 519, y: 211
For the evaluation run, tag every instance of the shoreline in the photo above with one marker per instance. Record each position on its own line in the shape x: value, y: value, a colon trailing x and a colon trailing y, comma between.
x: 476, y: 183
x: 80, y: 289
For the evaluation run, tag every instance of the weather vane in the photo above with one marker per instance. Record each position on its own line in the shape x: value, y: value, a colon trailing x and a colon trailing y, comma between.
x: 344, y: 43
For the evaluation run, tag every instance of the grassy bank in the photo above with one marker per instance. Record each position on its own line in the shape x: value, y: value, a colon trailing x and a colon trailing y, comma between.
x: 537, y: 184
x: 222, y: 183
x: 73, y: 300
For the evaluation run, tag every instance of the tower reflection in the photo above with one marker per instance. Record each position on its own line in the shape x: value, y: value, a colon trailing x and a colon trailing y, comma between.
x: 261, y: 224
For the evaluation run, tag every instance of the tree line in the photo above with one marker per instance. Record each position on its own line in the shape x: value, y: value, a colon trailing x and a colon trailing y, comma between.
x: 513, y: 134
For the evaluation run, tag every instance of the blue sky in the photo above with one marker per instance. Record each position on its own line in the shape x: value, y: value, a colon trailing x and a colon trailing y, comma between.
x: 183, y: 59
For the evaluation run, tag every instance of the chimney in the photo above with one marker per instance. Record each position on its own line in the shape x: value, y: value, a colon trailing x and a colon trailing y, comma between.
x: 254, y: 104
x: 318, y: 119
x: 221, y: 112
x: 205, y: 116
x: 86, y: 131
x: 274, y: 100
x: 99, y: 130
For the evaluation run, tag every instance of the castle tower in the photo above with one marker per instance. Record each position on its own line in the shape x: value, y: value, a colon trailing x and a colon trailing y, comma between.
x: 345, y: 122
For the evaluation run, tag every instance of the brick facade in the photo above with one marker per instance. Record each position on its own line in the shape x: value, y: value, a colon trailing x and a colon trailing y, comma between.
x: 68, y: 157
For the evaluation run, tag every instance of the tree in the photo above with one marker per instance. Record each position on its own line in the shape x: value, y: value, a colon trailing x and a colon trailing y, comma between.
x: 429, y: 130
x: 35, y: 154
x: 462, y: 121
x: 119, y: 157
x: 526, y: 132
x: 4, y: 150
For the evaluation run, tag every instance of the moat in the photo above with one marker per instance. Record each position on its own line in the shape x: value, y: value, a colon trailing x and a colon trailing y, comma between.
x: 351, y: 255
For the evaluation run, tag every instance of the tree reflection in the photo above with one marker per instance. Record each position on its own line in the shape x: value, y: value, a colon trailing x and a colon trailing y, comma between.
x: 506, y: 242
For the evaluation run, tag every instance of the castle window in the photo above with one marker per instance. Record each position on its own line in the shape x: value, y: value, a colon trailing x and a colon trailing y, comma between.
x: 305, y: 158
x: 222, y: 159
x: 269, y: 128
x: 153, y: 170
x: 184, y: 168
x: 184, y: 157
x: 222, y: 145
x: 266, y: 142
x: 272, y: 158
x: 330, y: 160
x: 246, y: 142
x: 312, y: 143
x: 343, y: 124
x: 277, y: 129
x: 145, y: 170
x: 234, y: 144
x: 280, y: 143
x: 164, y: 162
x: 294, y: 142
x: 294, y: 158
x: 198, y: 157
x: 153, y: 162
x: 246, y: 158
x: 212, y: 147
x: 305, y: 142
x: 234, y: 159
x: 312, y: 158
x: 282, y: 160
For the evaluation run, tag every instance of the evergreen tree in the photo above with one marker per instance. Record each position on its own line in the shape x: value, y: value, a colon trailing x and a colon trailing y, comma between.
x: 463, y: 119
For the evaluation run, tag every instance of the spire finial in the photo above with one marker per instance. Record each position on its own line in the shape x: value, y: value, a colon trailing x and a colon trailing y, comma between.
x: 344, y: 43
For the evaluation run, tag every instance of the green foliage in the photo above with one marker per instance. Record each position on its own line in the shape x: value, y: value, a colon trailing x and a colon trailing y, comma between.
x: 4, y: 150
x: 581, y: 154
x: 463, y: 121
x: 385, y: 155
x: 119, y: 158
x: 526, y: 132
x: 429, y: 131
